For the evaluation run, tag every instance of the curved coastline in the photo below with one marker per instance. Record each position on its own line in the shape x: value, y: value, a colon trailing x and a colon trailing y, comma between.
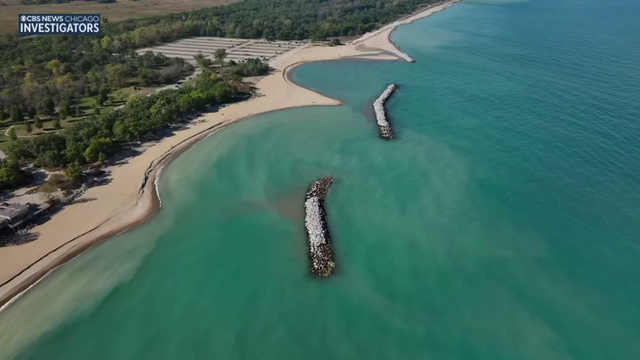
x: 143, y: 204
x: 148, y: 199
x: 420, y: 14
x: 381, y: 38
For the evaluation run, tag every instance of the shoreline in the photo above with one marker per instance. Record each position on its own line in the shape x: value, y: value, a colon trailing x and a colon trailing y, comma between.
x: 125, y: 202
x: 420, y: 14
x: 381, y: 38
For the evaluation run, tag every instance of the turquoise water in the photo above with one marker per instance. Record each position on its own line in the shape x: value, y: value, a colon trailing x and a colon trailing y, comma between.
x: 501, y: 224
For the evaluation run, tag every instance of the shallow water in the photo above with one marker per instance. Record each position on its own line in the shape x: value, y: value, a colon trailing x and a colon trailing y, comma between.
x: 500, y: 224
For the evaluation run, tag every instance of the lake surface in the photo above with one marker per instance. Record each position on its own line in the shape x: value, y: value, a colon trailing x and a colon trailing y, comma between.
x: 502, y: 223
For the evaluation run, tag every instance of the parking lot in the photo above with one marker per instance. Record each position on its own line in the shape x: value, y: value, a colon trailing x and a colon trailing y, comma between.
x: 238, y: 50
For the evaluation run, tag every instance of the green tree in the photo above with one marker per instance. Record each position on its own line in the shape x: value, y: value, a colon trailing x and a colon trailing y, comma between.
x: 222, y: 92
x: 202, y: 61
x: 103, y: 95
x: 106, y: 43
x: 17, y: 69
x: 29, y: 85
x: 93, y: 81
x: 46, y: 106
x: 220, y: 55
x: 12, y: 134
x: 77, y: 111
x: 37, y: 122
x: 50, y: 158
x: 252, y: 67
x: 116, y: 75
x: 56, y: 124
x: 149, y: 77
x: 11, y: 175
x: 97, y: 147
x: 73, y: 172
x: 335, y: 42
x: 27, y: 126
x: 56, y: 67
x: 16, y: 114
x: 102, y: 158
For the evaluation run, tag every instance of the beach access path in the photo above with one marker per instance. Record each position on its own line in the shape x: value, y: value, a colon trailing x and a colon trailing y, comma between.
x: 130, y: 198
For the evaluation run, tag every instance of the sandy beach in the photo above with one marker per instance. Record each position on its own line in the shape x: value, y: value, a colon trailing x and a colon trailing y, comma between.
x: 130, y: 197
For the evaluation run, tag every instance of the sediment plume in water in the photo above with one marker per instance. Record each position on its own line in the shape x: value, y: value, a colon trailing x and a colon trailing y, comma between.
x: 321, y: 257
x: 381, y: 114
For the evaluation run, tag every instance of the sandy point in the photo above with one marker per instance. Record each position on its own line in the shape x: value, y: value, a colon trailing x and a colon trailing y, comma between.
x: 130, y: 198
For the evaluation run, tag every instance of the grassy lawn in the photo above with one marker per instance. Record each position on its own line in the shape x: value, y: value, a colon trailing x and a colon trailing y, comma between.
x: 121, y: 96
x: 189, y: 82
x: 116, y: 98
x: 121, y: 10
x: 86, y: 106
x: 21, y: 130
x: 4, y: 141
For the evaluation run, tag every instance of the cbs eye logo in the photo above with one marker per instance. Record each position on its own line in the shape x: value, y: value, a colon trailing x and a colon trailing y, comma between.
x: 30, y: 18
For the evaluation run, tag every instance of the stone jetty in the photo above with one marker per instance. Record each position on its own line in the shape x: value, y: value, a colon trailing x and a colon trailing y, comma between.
x: 381, y: 114
x: 320, y: 249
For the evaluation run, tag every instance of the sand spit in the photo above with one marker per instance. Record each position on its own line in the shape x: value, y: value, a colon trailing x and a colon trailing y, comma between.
x: 320, y: 249
x: 381, y: 113
x: 381, y: 38
x: 130, y: 198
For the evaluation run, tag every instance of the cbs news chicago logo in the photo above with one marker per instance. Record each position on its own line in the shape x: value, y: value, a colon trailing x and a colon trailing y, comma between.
x: 56, y: 24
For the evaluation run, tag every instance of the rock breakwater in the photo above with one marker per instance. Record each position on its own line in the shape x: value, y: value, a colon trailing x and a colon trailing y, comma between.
x: 381, y: 114
x: 321, y: 257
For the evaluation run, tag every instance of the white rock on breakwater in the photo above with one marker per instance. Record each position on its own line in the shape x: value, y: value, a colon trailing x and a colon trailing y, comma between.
x: 320, y: 248
x: 381, y: 114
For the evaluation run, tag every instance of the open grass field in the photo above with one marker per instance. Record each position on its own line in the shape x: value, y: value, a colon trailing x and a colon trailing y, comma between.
x: 122, y: 10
